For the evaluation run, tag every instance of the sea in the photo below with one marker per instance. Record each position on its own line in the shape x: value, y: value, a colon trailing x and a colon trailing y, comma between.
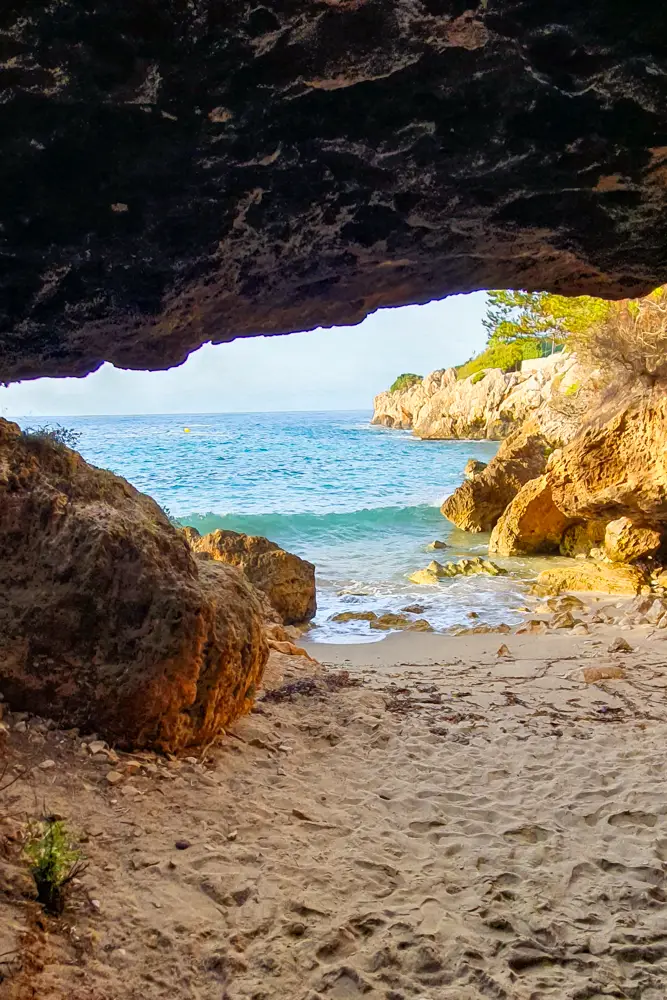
x: 360, y: 502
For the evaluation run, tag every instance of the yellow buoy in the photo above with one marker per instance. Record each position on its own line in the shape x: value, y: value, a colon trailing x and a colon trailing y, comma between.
x: 186, y: 430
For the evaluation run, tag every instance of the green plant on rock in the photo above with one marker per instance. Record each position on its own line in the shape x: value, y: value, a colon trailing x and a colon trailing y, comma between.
x: 572, y: 390
x: 54, y: 434
x: 405, y: 381
x: 477, y: 377
x: 54, y: 863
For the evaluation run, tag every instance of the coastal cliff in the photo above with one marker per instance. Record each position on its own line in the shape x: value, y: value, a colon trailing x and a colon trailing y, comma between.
x: 487, y: 405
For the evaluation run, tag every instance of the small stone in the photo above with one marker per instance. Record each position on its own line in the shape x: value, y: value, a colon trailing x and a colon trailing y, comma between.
x: 620, y: 646
x: 182, y: 845
x: 563, y: 619
x: 20, y: 727
x: 97, y: 746
x: 46, y: 765
x: 114, y: 777
x: 581, y: 629
x: 96, y: 905
x: 503, y: 651
x: 594, y: 674
x: 191, y: 760
x: 232, y: 835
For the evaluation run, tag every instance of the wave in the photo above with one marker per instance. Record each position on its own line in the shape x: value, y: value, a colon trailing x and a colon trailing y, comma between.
x: 333, y: 526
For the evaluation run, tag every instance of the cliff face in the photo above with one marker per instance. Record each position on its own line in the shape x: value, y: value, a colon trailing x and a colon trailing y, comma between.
x: 490, y: 407
x: 176, y: 172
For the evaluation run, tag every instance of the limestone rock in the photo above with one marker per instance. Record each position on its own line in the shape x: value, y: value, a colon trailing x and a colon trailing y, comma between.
x: 287, y: 580
x: 436, y: 571
x: 531, y: 523
x: 437, y: 544
x: 107, y: 622
x: 597, y: 577
x: 617, y: 467
x: 473, y: 467
x: 398, y: 621
x: 354, y: 616
x: 627, y: 542
x: 594, y: 674
x: 580, y: 538
x: 478, y: 503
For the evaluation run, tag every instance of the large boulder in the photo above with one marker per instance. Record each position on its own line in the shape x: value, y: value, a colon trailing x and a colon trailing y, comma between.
x: 478, y: 503
x: 616, y: 467
x: 107, y: 622
x: 627, y: 542
x: 287, y: 580
x: 530, y: 524
x: 585, y: 575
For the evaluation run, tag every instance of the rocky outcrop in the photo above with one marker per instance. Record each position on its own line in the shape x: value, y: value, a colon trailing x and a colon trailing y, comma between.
x: 107, y: 622
x: 436, y: 571
x: 265, y: 168
x: 473, y: 467
x: 582, y: 537
x: 582, y: 575
x: 487, y: 405
x: 627, y: 542
x: 530, y: 524
x: 478, y: 503
x: 287, y: 580
x: 616, y: 467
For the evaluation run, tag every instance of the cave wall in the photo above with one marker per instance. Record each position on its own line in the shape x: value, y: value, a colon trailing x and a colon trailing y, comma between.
x: 177, y: 171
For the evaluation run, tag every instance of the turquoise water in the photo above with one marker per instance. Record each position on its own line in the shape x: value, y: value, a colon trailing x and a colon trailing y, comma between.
x: 360, y: 502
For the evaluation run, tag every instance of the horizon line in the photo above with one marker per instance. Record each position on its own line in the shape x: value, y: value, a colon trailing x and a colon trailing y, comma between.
x: 177, y: 413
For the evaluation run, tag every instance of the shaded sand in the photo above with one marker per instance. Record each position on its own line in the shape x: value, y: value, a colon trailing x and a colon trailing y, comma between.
x: 465, y: 826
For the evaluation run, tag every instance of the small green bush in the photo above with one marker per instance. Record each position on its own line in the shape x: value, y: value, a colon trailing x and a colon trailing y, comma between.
x: 507, y: 357
x: 54, y: 434
x: 406, y: 381
x: 572, y: 390
x: 477, y: 377
x: 54, y: 863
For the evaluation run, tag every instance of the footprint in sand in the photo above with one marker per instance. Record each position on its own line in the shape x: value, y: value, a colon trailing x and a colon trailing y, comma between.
x: 633, y: 819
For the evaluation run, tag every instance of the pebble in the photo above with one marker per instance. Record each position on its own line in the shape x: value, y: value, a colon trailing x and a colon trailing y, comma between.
x: 96, y: 905
x: 20, y: 727
x: 114, y: 777
x: 46, y: 765
x: 182, y: 845
x: 97, y: 746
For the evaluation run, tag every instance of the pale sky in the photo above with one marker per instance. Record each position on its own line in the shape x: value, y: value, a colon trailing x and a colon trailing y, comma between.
x: 336, y: 369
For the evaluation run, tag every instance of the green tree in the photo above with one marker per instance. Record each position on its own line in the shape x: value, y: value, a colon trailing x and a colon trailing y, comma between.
x: 540, y: 317
x: 405, y: 381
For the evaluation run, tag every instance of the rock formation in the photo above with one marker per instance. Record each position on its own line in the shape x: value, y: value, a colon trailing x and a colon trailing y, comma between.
x: 599, y: 577
x: 530, y: 524
x: 628, y: 542
x: 287, y: 580
x: 175, y: 173
x: 107, y: 621
x: 478, y: 503
x: 487, y: 405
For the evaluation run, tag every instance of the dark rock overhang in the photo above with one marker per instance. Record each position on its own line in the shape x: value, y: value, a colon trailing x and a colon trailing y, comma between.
x: 175, y: 172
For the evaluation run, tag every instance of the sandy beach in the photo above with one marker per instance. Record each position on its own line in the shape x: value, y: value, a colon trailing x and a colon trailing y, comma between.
x: 459, y: 825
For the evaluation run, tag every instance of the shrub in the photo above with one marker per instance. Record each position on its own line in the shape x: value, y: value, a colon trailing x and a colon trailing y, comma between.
x: 477, y: 377
x: 54, y: 434
x: 630, y: 343
x: 406, y: 381
x: 572, y: 390
x: 507, y: 357
x: 54, y: 863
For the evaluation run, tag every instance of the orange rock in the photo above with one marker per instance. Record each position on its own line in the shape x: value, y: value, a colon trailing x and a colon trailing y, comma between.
x: 108, y: 621
x: 594, y: 674
x: 287, y: 580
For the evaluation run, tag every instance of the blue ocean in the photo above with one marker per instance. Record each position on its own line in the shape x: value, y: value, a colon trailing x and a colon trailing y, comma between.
x: 360, y: 502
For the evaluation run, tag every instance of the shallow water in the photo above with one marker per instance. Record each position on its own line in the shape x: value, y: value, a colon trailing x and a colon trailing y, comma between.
x: 360, y: 502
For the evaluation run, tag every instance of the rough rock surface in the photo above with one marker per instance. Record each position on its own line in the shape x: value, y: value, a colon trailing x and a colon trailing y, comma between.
x: 490, y: 407
x: 477, y: 504
x: 604, y: 578
x: 107, y: 622
x: 578, y: 539
x: 618, y: 467
x: 174, y: 173
x: 287, y: 580
x: 530, y: 524
x: 627, y: 542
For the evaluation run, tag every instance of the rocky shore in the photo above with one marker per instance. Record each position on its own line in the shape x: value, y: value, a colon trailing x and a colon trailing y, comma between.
x: 580, y: 471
